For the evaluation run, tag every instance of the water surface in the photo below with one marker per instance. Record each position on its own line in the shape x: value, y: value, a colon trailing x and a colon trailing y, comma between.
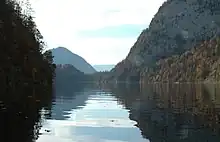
x: 134, y: 113
x: 89, y: 116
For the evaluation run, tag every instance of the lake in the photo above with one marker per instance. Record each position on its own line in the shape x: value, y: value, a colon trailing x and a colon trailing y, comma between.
x: 127, y: 113
x: 90, y: 115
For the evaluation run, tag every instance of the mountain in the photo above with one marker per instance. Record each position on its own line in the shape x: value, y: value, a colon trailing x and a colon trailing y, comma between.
x: 177, y: 27
x: 64, y: 56
x: 201, y: 63
x: 103, y: 67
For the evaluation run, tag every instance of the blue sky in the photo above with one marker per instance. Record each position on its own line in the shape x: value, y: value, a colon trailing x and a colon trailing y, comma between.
x: 101, y: 31
x: 121, y: 31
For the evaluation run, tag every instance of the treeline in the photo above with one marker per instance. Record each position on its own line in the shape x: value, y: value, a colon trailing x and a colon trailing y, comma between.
x: 22, y: 61
x: 67, y: 72
x: 68, y: 77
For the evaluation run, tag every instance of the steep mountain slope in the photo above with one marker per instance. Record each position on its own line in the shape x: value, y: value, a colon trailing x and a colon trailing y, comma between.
x: 201, y: 63
x: 178, y: 26
x: 64, y: 56
x: 103, y: 67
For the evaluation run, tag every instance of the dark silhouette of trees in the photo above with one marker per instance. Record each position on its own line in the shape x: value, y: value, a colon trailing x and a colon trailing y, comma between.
x: 67, y: 77
x: 21, y: 59
x: 26, y: 73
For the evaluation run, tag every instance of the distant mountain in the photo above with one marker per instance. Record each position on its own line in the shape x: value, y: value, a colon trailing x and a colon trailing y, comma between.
x: 65, y: 56
x: 103, y: 67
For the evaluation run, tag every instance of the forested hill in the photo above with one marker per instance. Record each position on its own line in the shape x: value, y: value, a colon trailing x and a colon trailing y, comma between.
x: 68, y: 74
x: 26, y: 74
x: 70, y: 78
x: 22, y: 61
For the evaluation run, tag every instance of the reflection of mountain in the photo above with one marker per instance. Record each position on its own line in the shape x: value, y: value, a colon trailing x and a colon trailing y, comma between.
x: 67, y: 99
x: 126, y: 91
x: 171, y: 112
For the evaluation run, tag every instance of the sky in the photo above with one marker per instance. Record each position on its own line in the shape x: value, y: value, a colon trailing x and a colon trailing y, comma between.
x: 100, y: 31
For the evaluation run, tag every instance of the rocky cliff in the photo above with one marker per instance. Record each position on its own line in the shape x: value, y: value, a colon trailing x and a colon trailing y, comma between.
x: 178, y: 26
x: 201, y: 63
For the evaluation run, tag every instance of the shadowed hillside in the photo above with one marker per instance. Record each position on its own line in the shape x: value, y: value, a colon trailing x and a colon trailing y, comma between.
x: 26, y: 74
x: 22, y: 61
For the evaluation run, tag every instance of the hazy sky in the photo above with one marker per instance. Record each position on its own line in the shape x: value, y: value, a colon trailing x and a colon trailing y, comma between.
x: 101, y: 31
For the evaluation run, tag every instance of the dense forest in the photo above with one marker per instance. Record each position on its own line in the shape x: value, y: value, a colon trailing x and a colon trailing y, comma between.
x: 22, y: 62
x: 26, y: 73
x: 68, y: 77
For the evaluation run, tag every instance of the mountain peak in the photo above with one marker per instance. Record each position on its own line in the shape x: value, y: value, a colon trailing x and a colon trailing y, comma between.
x: 60, y: 48
x: 63, y: 55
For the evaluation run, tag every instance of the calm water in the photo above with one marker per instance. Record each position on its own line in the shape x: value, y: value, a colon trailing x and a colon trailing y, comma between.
x: 156, y: 113
x: 123, y: 113
x: 89, y: 116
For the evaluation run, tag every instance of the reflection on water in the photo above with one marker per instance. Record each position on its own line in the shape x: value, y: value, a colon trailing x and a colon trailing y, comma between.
x: 20, y: 120
x: 126, y: 113
x: 90, y: 115
x: 123, y: 113
x: 175, y: 112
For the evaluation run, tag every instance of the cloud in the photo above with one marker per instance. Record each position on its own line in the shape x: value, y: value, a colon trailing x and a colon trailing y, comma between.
x: 87, y: 25
x: 95, y: 14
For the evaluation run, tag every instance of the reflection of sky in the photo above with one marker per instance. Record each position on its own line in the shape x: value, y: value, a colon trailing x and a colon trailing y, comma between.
x: 102, y: 119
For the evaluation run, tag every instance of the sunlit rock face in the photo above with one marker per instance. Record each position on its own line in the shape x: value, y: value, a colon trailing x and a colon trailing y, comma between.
x: 178, y: 26
x: 201, y: 63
